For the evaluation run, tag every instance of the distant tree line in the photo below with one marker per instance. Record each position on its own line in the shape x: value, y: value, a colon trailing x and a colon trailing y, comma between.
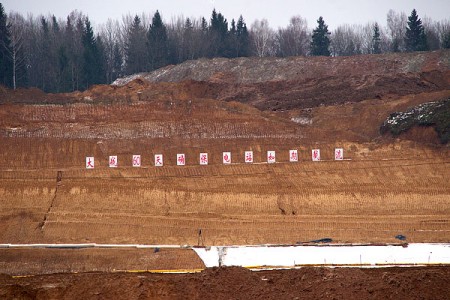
x: 66, y: 55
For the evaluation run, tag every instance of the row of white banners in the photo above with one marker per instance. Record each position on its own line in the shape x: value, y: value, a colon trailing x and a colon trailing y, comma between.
x: 203, y: 160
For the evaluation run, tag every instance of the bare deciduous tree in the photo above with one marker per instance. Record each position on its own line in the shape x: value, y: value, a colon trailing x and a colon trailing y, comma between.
x: 110, y: 35
x: 17, y: 31
x: 346, y: 40
x: 262, y: 37
x: 396, y: 28
x: 443, y: 29
x: 432, y: 33
x: 295, y: 39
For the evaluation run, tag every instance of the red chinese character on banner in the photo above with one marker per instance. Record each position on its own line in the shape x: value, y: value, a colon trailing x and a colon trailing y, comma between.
x: 271, y: 156
x: 158, y: 160
x: 248, y: 156
x: 136, y: 161
x: 113, y: 161
x: 338, y: 154
x: 181, y: 161
x: 203, y: 158
x: 89, y: 162
x: 294, y: 155
x: 226, y: 157
x: 316, y: 155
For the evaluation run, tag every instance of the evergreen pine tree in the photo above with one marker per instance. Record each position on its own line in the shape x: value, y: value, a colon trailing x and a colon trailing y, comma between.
x: 205, y: 42
x: 446, y: 40
x: 43, y: 66
x: 65, y: 58
x: 92, y: 59
x: 218, y: 32
x: 48, y: 50
x: 232, y: 27
x: 136, y: 51
x: 117, y: 62
x: 57, y: 69
x: 376, y: 40
x: 204, y: 25
x: 158, y: 44
x: 415, y: 38
x: 320, y: 39
x: 6, y: 66
x: 242, y: 38
x: 101, y: 60
x: 63, y: 68
x: 232, y: 40
x: 186, y: 41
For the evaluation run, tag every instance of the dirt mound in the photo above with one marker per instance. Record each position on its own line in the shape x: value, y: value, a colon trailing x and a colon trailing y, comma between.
x: 274, y: 84
x: 436, y: 114
x: 303, y: 82
x: 30, y: 96
x: 259, y: 70
x: 325, y: 91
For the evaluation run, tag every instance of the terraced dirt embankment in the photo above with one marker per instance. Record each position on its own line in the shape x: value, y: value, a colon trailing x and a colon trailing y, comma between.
x: 366, y: 201
x: 383, y: 190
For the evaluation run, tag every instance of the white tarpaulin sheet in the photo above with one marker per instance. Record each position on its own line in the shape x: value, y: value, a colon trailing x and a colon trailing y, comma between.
x: 289, y: 256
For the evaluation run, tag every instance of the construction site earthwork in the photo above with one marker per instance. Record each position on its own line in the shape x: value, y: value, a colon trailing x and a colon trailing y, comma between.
x: 103, y: 193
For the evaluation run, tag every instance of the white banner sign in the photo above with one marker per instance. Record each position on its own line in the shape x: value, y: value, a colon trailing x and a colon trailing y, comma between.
x: 249, y: 157
x: 271, y: 157
x: 113, y: 161
x: 159, y: 160
x: 89, y: 162
x: 315, y: 155
x: 181, y: 159
x: 293, y: 155
x: 338, y: 154
x: 136, y: 161
x: 203, y: 158
x: 226, y: 158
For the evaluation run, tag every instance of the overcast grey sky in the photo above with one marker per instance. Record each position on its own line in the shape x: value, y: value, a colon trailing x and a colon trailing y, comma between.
x: 278, y: 13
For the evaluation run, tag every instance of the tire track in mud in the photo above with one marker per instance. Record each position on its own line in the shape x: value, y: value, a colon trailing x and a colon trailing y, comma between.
x: 59, y: 175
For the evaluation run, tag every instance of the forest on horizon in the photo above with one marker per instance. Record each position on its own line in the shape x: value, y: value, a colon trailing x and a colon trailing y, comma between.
x: 64, y: 55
